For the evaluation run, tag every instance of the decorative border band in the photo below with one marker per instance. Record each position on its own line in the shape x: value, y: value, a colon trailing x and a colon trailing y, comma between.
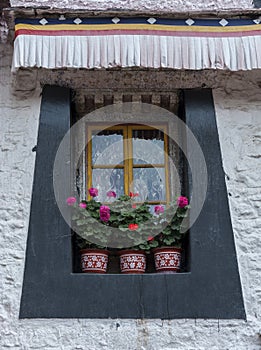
x: 138, y: 26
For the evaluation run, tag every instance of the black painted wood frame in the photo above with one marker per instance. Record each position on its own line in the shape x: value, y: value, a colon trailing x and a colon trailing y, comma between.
x: 50, y: 290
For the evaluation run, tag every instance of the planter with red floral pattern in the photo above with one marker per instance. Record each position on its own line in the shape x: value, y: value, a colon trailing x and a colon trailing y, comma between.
x: 167, y: 259
x: 132, y: 261
x: 94, y: 260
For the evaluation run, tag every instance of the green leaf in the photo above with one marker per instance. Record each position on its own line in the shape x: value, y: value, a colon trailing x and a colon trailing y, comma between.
x: 75, y: 217
x: 123, y: 229
x: 167, y: 231
x: 175, y: 226
x: 169, y: 240
x: 143, y: 246
x: 154, y: 244
x: 81, y: 222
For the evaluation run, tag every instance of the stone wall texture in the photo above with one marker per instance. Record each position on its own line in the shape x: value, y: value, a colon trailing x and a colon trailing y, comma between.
x: 174, y: 5
x: 237, y: 99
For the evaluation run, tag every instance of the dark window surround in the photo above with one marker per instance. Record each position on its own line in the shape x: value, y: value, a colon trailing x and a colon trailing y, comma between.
x: 211, y: 290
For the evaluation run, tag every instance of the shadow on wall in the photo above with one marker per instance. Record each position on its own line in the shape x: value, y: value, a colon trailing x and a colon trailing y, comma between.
x: 257, y: 3
x: 4, y: 4
x: 3, y: 25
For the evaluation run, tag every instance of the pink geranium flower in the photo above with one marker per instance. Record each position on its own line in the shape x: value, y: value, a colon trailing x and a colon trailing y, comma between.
x: 105, y: 213
x: 82, y: 205
x: 70, y: 200
x: 182, y: 202
x: 159, y: 209
x: 150, y: 238
x: 93, y: 192
x: 111, y: 194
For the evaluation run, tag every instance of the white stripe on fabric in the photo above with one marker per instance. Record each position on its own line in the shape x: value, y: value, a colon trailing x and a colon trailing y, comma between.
x: 237, y: 53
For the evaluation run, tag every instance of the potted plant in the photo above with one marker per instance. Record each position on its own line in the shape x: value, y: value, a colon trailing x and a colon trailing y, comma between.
x: 94, y: 255
x: 133, y: 221
x: 167, y: 255
x: 130, y: 226
x: 121, y: 223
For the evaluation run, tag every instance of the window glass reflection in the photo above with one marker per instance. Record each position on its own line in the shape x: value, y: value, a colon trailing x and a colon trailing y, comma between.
x: 107, y: 147
x: 149, y: 183
x: 148, y: 146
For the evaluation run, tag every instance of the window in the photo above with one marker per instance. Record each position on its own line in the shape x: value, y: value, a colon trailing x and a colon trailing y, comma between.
x: 50, y: 290
x: 129, y: 158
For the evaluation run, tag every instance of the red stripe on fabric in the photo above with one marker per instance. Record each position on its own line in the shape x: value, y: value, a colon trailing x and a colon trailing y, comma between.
x: 134, y: 32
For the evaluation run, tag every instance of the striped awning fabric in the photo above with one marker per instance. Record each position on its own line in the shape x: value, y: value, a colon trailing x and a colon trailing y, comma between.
x: 233, y: 44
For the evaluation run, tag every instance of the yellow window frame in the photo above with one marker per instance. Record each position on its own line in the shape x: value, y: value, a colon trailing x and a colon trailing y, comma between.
x: 128, y: 165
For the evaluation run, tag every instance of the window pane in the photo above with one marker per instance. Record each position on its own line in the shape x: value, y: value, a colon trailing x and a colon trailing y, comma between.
x: 148, y: 146
x: 107, y: 147
x: 150, y: 184
x: 108, y: 180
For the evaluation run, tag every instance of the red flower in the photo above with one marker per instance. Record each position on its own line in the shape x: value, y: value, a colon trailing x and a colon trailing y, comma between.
x: 133, y: 227
x: 150, y: 238
x: 134, y: 206
x: 132, y: 195
x: 182, y: 202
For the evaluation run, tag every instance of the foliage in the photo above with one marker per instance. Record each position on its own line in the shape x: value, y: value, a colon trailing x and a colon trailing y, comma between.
x: 173, y: 222
x: 95, y: 223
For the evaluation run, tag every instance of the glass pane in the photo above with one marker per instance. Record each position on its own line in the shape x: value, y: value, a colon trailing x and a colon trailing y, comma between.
x: 148, y: 146
x: 108, y: 180
x: 107, y: 147
x: 150, y: 184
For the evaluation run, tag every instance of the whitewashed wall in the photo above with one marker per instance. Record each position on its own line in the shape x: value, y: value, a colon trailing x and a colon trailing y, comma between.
x: 176, y: 5
x: 238, y: 106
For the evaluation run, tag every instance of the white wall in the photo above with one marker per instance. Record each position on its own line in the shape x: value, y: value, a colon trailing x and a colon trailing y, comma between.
x: 238, y: 108
x: 176, y: 5
x: 239, y: 124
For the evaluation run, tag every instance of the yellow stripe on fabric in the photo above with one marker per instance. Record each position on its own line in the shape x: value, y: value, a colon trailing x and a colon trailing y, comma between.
x: 97, y: 27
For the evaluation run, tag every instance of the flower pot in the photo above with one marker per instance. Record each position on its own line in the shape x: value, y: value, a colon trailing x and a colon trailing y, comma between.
x: 94, y: 260
x: 167, y: 259
x: 132, y: 261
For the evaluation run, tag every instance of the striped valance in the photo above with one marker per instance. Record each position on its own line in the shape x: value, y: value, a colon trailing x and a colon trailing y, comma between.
x: 96, y: 42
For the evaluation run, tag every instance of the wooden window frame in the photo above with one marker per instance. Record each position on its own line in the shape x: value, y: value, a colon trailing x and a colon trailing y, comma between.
x: 128, y: 165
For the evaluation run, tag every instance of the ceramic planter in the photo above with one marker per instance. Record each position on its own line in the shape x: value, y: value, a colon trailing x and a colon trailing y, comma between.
x: 132, y: 261
x: 94, y: 260
x: 167, y: 259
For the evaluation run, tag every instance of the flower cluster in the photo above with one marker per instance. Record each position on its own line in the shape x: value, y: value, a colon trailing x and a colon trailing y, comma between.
x: 93, y: 192
x: 71, y: 200
x: 111, y: 194
x: 172, y: 221
x: 105, y: 213
x: 182, y: 202
x: 163, y: 228
x: 159, y: 209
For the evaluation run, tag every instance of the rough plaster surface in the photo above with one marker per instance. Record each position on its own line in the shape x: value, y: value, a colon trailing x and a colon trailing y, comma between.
x: 3, y: 30
x: 238, y: 106
x: 176, y: 5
